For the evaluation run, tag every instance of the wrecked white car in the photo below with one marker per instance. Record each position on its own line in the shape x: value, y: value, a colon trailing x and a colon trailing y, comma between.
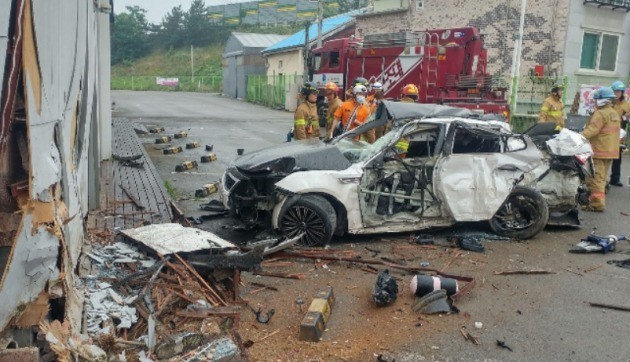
x: 455, y: 169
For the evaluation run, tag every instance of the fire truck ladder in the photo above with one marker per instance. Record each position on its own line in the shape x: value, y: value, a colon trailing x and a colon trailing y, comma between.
x: 432, y: 42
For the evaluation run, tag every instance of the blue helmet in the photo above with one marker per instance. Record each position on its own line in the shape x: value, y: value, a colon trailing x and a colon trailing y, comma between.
x: 604, y: 93
x: 618, y: 86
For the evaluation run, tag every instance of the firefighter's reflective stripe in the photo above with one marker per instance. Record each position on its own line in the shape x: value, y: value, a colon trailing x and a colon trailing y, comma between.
x: 402, y: 145
x: 606, y: 154
x: 610, y: 129
x: 555, y: 113
x: 300, y: 122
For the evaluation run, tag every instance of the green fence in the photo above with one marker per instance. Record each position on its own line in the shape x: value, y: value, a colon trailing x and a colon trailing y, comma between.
x: 270, y: 91
x: 185, y: 83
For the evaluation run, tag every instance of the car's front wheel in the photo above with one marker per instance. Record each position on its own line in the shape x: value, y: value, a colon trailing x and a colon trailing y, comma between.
x: 310, y: 215
x: 523, y: 214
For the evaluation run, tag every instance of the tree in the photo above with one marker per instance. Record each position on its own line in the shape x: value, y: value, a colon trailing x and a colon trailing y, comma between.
x: 197, y: 24
x: 129, y: 35
x: 172, y: 32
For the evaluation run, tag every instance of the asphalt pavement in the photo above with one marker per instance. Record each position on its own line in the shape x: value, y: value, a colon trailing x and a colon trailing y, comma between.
x: 541, y: 317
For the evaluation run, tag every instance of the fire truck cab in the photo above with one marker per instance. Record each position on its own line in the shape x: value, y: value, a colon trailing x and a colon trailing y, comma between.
x: 447, y: 65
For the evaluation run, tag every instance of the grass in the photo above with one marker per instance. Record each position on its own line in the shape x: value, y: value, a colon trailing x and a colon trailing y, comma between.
x: 174, y: 62
x: 170, y: 190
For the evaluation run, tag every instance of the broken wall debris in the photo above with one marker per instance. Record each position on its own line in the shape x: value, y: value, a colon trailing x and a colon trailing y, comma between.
x: 54, y: 103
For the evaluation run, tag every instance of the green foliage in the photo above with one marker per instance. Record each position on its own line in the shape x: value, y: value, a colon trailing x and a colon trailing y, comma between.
x: 174, y: 62
x: 129, y: 35
x: 170, y: 189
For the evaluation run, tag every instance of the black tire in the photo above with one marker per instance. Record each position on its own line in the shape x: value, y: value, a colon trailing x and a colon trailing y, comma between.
x: 523, y: 214
x: 309, y: 214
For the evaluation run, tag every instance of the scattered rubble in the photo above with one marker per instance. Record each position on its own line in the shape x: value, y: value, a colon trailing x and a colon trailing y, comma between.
x: 385, y: 290
x: 192, y: 145
x: 209, y: 147
x: 206, y: 190
x: 172, y: 150
x: 186, y: 165
x: 208, y: 158
x: 180, y: 134
x: 314, y: 322
x: 593, y: 244
x: 164, y: 139
x: 620, y: 263
x: 156, y: 130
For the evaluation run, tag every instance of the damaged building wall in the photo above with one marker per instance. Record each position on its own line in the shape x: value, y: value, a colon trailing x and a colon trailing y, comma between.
x: 59, y: 87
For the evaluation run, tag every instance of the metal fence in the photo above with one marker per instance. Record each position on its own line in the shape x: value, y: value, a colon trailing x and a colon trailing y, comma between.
x: 184, y: 84
x: 270, y: 91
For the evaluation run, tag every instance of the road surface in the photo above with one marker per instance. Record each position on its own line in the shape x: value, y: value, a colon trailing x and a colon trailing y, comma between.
x: 541, y: 317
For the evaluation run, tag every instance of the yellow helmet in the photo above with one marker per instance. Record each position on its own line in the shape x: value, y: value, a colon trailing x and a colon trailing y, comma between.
x: 410, y: 90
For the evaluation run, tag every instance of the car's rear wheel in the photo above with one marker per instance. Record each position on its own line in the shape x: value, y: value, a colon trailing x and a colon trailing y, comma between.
x: 523, y: 214
x: 310, y: 215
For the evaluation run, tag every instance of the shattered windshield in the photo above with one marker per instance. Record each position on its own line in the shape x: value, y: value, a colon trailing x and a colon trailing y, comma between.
x: 359, y: 151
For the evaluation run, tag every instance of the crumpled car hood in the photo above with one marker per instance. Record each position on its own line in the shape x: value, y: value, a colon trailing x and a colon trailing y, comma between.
x: 294, y: 156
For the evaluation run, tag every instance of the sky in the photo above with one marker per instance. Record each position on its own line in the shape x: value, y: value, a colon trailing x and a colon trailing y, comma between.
x: 156, y: 9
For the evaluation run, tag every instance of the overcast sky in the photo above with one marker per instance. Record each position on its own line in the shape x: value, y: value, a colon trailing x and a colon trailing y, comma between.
x: 156, y: 9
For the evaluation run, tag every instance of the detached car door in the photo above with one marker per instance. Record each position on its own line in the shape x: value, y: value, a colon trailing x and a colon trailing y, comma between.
x: 479, y: 167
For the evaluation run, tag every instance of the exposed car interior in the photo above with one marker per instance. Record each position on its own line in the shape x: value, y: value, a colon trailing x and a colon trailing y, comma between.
x: 400, y: 187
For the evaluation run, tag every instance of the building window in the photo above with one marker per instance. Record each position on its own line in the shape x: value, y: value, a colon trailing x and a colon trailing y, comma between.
x: 279, y: 64
x: 599, y: 51
x: 419, y: 4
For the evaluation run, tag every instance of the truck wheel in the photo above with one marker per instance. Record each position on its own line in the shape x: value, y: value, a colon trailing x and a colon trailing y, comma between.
x: 523, y: 214
x: 311, y: 215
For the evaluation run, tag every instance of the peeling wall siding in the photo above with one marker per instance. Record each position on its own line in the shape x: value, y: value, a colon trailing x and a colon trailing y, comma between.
x: 31, y: 265
x: 60, y: 78
x: 5, y: 16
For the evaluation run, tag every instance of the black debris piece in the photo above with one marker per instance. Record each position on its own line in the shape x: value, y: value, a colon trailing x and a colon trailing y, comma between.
x: 209, y: 147
x: 432, y: 303
x: 249, y: 261
x: 385, y: 290
x: 264, y: 318
x: 620, y: 263
x: 503, y: 345
x: 126, y: 158
x: 213, y: 206
x: 469, y: 243
x: 422, y: 239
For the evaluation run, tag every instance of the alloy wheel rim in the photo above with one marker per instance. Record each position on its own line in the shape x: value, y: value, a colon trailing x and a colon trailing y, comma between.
x: 303, y: 220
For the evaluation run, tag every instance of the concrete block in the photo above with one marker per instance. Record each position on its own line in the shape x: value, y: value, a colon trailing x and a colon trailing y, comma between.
x: 312, y: 327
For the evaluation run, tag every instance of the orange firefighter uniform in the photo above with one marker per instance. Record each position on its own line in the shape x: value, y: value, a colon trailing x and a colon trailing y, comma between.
x: 344, y: 112
x: 306, y: 122
x: 602, y: 130
x: 552, y: 110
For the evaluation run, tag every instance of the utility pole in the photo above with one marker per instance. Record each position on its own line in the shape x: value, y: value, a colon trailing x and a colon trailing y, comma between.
x: 320, y: 19
x: 192, y: 65
x: 306, y: 51
x: 516, y: 59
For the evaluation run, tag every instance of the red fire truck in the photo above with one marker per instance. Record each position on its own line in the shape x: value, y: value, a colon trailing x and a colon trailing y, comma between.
x: 447, y: 65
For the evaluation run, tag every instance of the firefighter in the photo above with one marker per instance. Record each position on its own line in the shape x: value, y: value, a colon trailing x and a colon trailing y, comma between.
x: 552, y: 109
x: 357, y: 81
x: 409, y: 93
x: 602, y: 130
x: 354, y: 110
x: 306, y: 120
x: 622, y: 106
x: 334, y: 103
x: 374, y: 100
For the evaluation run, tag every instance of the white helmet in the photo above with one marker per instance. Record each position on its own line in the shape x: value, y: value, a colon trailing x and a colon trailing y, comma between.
x: 377, y: 86
x: 360, y: 88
